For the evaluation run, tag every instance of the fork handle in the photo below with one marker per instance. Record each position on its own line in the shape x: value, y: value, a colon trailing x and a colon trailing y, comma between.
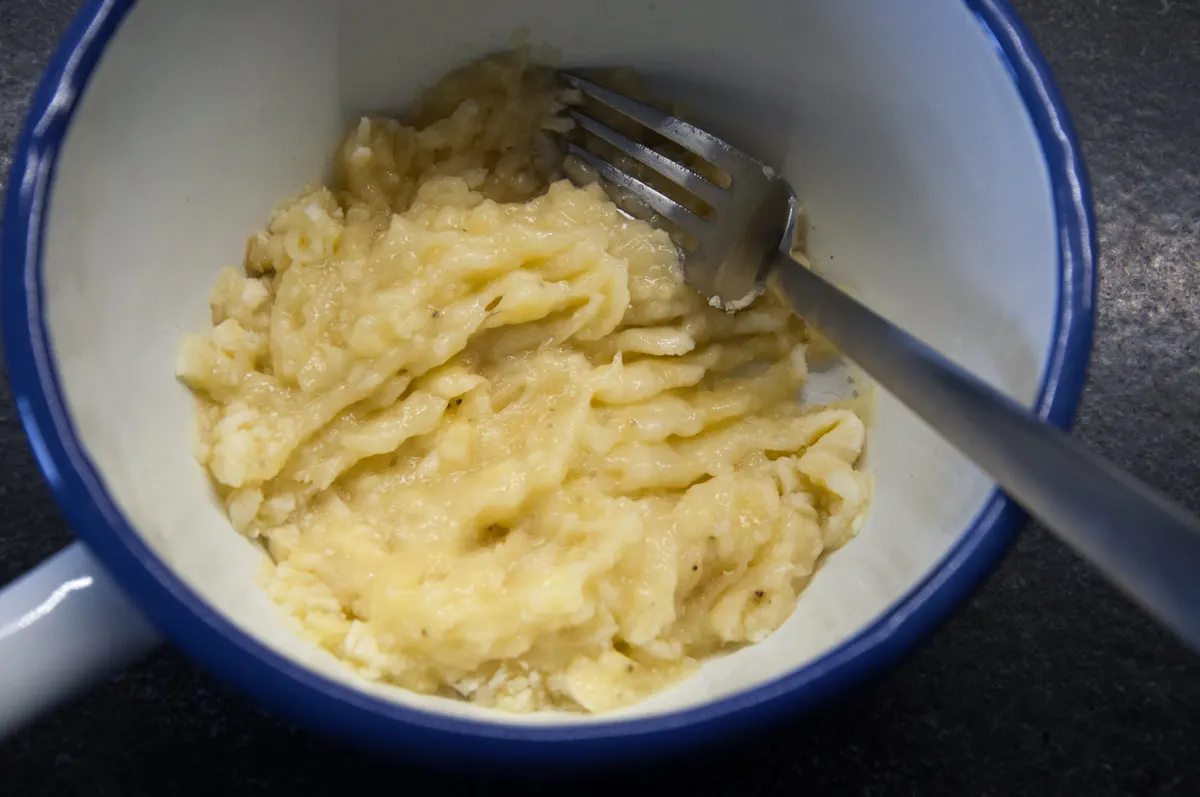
x: 1145, y: 544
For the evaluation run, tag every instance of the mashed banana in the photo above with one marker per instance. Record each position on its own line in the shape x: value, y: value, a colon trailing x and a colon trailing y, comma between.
x: 493, y: 444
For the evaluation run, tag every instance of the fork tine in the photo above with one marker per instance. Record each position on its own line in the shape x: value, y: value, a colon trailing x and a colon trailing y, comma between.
x: 672, y: 128
x: 710, y: 192
x: 658, y: 202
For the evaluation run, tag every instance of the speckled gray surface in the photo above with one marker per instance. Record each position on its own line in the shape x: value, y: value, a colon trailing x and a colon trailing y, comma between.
x: 1047, y: 682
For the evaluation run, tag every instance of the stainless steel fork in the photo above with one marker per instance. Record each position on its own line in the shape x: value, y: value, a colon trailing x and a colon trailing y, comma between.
x: 741, y: 244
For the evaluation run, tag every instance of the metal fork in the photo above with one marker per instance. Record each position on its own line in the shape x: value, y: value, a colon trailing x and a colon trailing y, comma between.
x: 1145, y: 544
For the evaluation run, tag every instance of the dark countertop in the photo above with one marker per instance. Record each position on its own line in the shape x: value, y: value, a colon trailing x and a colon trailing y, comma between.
x: 1046, y: 682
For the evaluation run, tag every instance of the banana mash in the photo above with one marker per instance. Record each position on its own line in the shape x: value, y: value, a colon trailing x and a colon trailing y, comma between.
x: 494, y: 445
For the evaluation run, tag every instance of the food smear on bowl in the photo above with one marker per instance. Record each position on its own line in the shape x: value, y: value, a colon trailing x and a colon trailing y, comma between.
x: 495, y: 447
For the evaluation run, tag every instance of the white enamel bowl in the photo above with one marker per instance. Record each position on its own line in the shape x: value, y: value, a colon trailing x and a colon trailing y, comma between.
x: 938, y: 167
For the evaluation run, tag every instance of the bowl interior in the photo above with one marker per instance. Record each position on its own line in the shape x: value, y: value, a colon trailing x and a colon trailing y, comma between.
x: 898, y: 124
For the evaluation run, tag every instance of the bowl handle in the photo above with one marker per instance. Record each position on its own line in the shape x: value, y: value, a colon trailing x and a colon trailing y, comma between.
x: 63, y: 625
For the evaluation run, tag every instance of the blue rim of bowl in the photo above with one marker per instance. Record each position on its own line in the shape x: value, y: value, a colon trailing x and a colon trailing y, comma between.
x: 324, y: 704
